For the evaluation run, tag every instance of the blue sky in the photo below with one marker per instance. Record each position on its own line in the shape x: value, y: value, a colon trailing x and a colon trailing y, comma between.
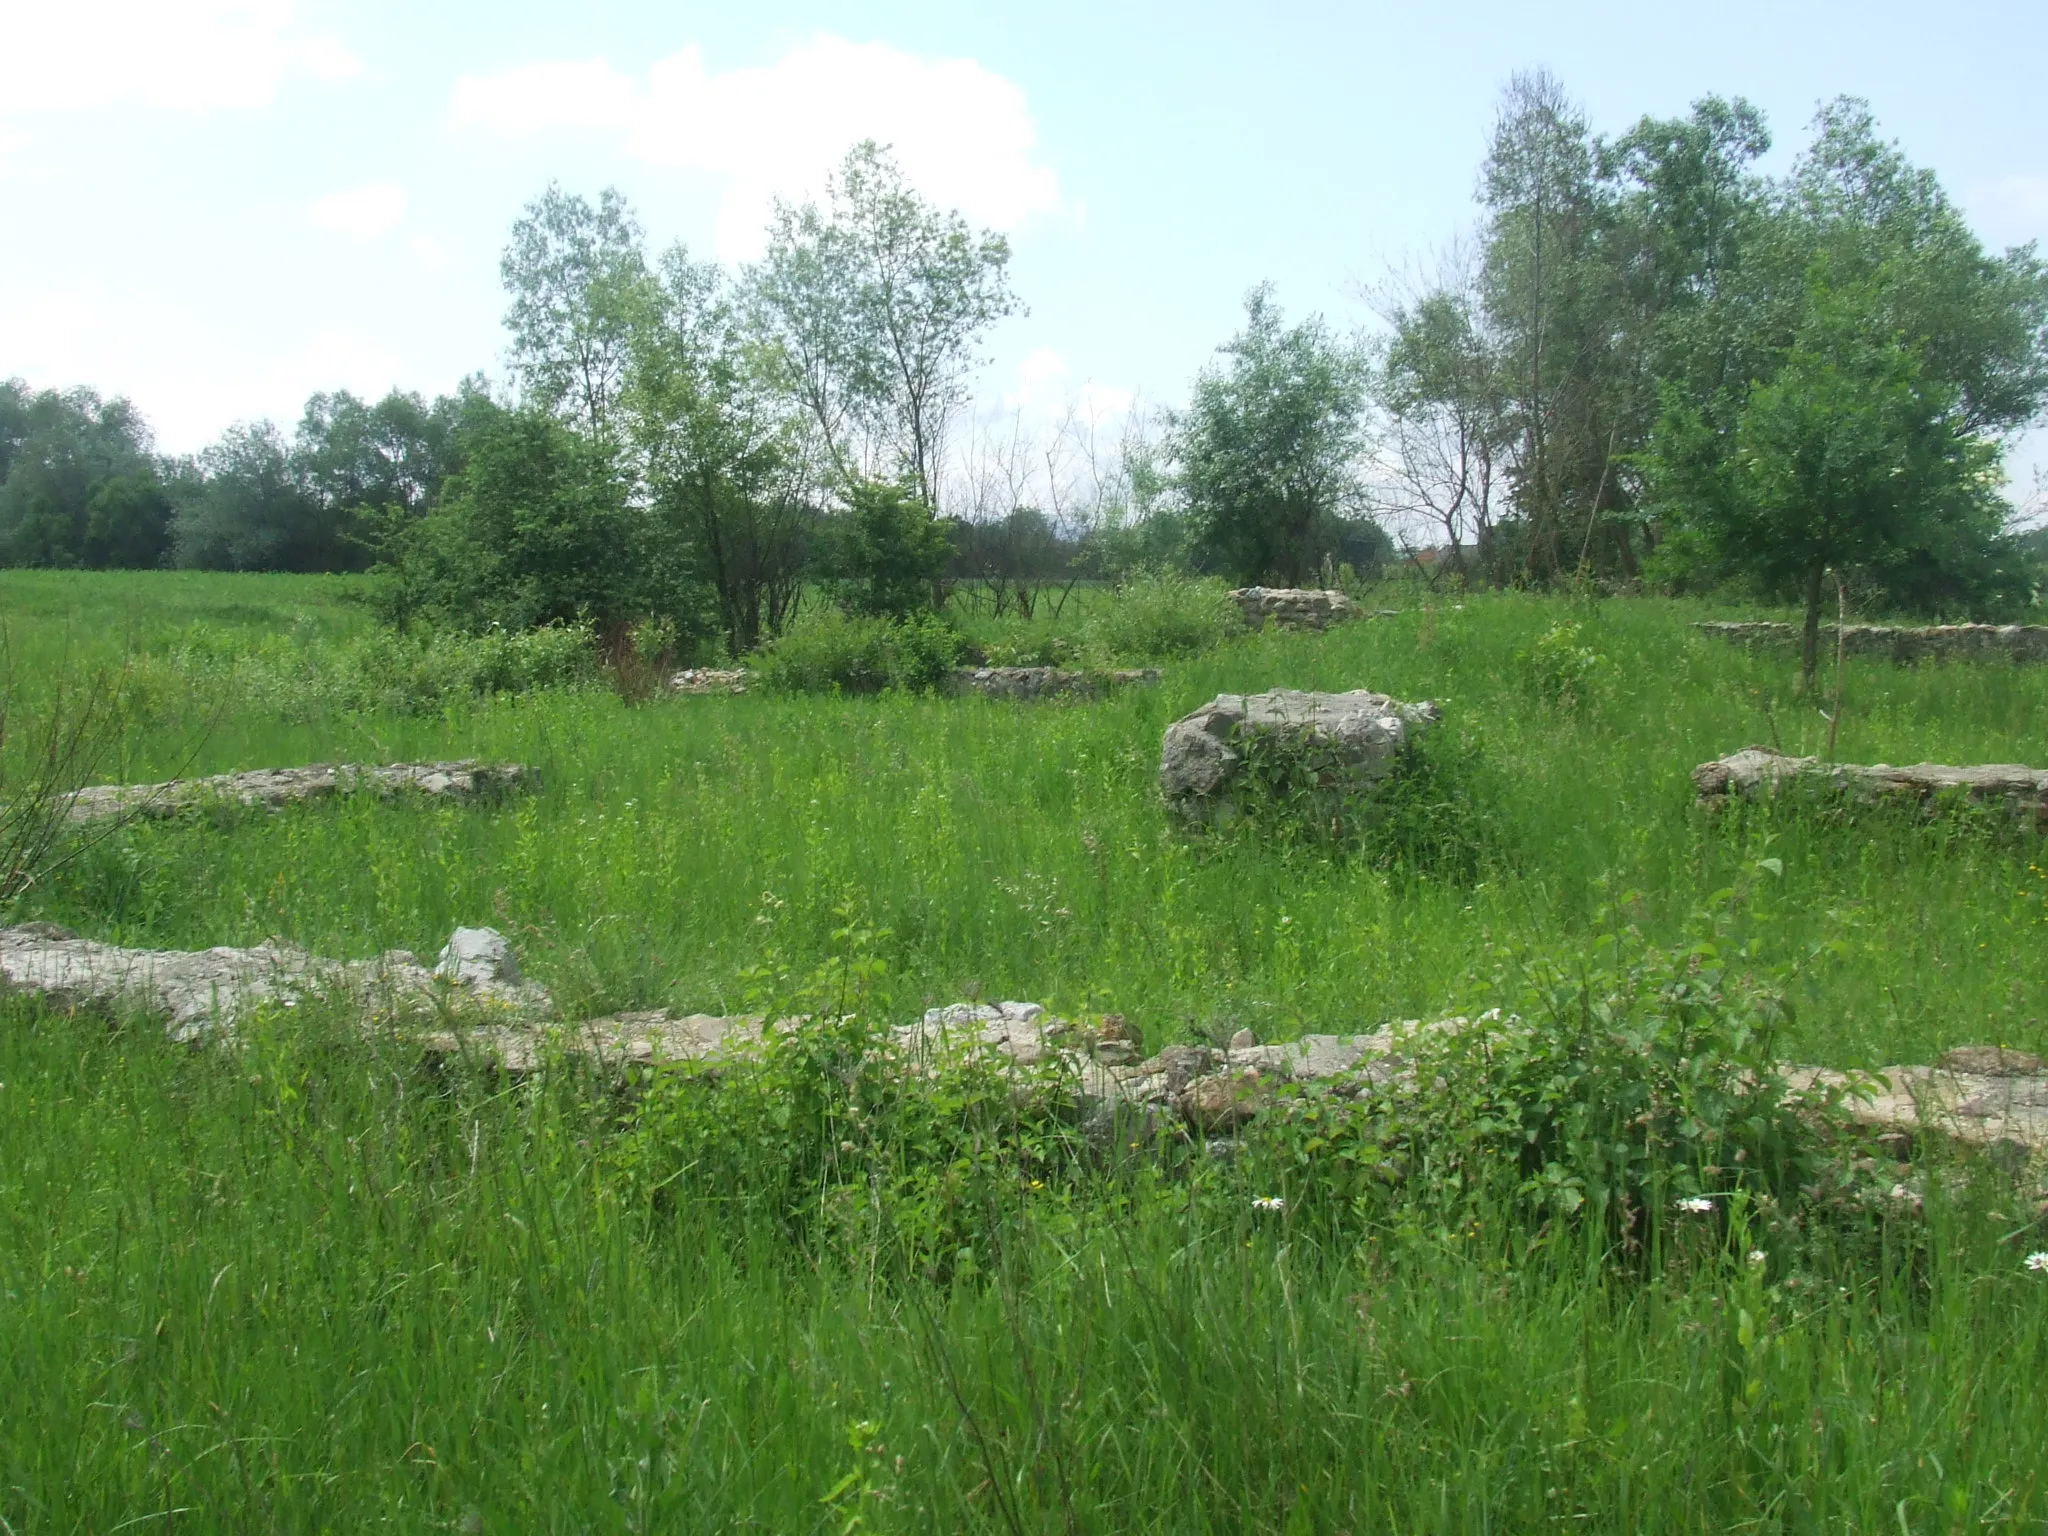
x: 217, y: 206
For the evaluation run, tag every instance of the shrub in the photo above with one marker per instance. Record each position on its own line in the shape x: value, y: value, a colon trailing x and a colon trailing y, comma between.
x: 1618, y: 1084
x: 835, y: 652
x: 1558, y: 669
x: 1159, y: 617
x: 891, y: 553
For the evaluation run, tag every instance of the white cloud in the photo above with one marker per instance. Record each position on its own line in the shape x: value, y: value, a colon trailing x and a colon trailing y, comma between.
x: 361, y: 213
x: 535, y: 99
x: 2012, y: 208
x: 189, y: 55
x: 963, y: 133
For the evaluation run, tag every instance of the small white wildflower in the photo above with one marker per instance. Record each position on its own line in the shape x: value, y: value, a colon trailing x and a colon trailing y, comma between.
x: 1756, y: 1258
x: 1696, y: 1205
x: 2038, y: 1263
x: 1269, y: 1203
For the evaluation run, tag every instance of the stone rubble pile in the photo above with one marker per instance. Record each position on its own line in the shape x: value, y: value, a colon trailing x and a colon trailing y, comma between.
x: 2014, y: 642
x: 474, y: 1005
x: 1359, y: 736
x: 1294, y: 607
x: 1756, y: 771
x: 272, y: 788
x: 1046, y: 682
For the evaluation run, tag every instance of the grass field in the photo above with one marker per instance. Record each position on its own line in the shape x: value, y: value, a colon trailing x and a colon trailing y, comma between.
x: 298, y: 1287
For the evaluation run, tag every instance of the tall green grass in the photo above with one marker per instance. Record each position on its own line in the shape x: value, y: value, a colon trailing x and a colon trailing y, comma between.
x: 1020, y: 851
x: 306, y: 1284
x: 303, y: 1287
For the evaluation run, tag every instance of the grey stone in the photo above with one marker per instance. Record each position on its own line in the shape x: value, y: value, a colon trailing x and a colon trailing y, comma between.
x: 1755, y: 771
x: 2001, y: 642
x: 709, y: 680
x: 474, y: 955
x: 1362, y: 734
x: 1046, y: 682
x: 1294, y: 607
x: 197, y: 992
x: 274, y: 788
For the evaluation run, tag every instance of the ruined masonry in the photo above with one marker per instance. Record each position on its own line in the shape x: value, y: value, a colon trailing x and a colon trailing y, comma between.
x: 2002, y: 642
x: 1359, y: 735
x: 1756, y: 772
x: 474, y: 1005
x: 272, y: 788
x: 1294, y: 607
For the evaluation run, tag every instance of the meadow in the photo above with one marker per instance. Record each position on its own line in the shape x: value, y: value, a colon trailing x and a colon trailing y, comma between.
x: 303, y: 1285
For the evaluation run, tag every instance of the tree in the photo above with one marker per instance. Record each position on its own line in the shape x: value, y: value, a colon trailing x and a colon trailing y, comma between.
x: 891, y: 552
x: 128, y: 523
x: 875, y: 303
x: 537, y: 528
x: 58, y: 451
x: 1853, y: 454
x: 721, y: 451
x: 1268, y: 452
x: 358, y: 457
x: 242, y: 506
x: 579, y: 286
x: 1438, y: 386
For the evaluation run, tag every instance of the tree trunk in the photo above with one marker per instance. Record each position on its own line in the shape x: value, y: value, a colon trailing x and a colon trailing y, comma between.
x: 1809, y: 657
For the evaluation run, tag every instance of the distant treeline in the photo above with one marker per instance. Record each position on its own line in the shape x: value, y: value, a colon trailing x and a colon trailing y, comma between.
x: 1653, y: 366
x: 81, y: 485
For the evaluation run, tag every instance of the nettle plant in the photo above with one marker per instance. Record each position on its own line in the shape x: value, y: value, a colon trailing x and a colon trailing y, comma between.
x: 1618, y: 1090
x: 841, y: 1137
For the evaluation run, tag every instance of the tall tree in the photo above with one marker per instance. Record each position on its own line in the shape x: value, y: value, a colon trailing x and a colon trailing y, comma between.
x: 357, y: 456
x: 722, y: 452
x: 59, y: 450
x: 1268, y: 452
x: 1853, y: 454
x: 876, y: 303
x: 243, y: 506
x: 579, y: 286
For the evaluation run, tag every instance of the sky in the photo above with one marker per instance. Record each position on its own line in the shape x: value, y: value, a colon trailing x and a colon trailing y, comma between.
x: 217, y: 207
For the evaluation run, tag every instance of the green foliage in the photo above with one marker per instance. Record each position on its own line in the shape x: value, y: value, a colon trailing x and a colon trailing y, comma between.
x: 422, y: 672
x: 871, y: 305
x: 890, y: 553
x: 831, y: 651
x: 1559, y: 669
x: 1159, y: 616
x: 537, y: 529
x: 1435, y: 813
x: 1611, y: 1086
x: 1267, y: 450
x: 77, y: 483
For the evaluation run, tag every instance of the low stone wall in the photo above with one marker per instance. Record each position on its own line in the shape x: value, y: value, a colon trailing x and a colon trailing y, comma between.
x: 1756, y: 772
x: 273, y: 788
x: 2004, y: 642
x: 1295, y: 607
x: 1045, y: 682
x: 474, y: 1005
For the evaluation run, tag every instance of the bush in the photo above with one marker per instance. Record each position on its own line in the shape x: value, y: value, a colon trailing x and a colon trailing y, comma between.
x: 832, y: 652
x: 1558, y: 669
x: 538, y: 529
x: 1618, y: 1085
x: 1159, y: 617
x: 891, y: 553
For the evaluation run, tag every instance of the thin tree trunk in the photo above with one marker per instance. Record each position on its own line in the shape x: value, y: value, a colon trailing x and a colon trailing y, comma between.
x: 1810, y: 653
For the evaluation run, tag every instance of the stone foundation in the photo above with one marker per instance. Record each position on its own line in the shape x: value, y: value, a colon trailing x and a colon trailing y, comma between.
x: 2001, y: 642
